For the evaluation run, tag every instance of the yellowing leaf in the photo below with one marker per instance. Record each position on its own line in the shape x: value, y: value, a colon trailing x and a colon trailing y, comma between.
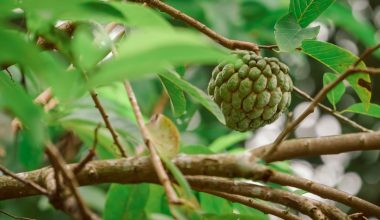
x: 164, y: 135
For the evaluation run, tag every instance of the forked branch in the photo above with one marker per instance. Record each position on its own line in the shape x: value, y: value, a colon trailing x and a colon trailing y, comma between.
x: 320, y: 96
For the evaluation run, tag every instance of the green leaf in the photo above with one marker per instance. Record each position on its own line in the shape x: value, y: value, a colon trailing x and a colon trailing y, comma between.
x: 195, y: 149
x: 338, y: 60
x: 14, y: 99
x: 31, y: 149
x: 89, y: 45
x: 126, y: 202
x: 94, y: 197
x: 47, y: 11
x: 342, y: 16
x: 361, y: 108
x: 155, y: 201
x: 214, y: 204
x: 306, y: 11
x: 223, y: 142
x: 337, y: 92
x: 289, y: 34
x: 150, y: 51
x: 6, y: 10
x: 177, y: 98
x: 141, y: 16
x: 42, y: 65
x: 253, y: 213
x: 196, y: 93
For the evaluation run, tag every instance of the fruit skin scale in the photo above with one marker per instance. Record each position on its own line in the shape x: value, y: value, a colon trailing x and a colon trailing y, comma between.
x: 252, y: 91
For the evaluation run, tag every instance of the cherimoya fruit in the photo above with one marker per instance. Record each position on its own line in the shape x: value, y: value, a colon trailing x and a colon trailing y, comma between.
x: 251, y: 92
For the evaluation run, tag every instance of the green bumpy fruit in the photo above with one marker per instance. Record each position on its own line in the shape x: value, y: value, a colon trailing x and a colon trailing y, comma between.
x: 252, y: 92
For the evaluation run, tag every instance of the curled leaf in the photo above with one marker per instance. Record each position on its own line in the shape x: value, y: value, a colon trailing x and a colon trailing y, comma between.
x: 164, y: 135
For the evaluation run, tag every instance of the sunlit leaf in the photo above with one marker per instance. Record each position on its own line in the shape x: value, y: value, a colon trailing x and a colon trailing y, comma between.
x: 360, y: 108
x: 165, y: 138
x: 177, y: 97
x: 337, y: 92
x: 289, y: 34
x: 164, y: 135
x: 146, y: 52
x: 126, y: 202
x: 338, y: 60
x: 306, y: 11
x: 196, y: 93
x: 225, y: 141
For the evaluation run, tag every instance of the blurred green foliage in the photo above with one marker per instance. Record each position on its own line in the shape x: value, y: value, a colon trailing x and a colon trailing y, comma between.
x: 160, y: 53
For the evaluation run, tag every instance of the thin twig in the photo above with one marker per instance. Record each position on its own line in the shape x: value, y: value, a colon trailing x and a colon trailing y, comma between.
x: 59, y: 166
x: 16, y: 217
x: 91, y: 153
x: 248, y: 201
x: 108, y: 124
x: 156, y: 161
x: 228, y: 43
x: 318, y: 98
x: 331, y: 111
x: 366, y: 53
x: 37, y: 187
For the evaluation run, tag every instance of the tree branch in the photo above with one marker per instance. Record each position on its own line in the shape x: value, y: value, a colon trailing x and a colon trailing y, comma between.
x: 312, y: 208
x: 321, y: 95
x: 141, y: 169
x: 70, y: 181
x: 27, y: 182
x: 248, y: 201
x: 228, y: 43
x: 108, y: 124
x: 16, y: 217
x: 306, y: 147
